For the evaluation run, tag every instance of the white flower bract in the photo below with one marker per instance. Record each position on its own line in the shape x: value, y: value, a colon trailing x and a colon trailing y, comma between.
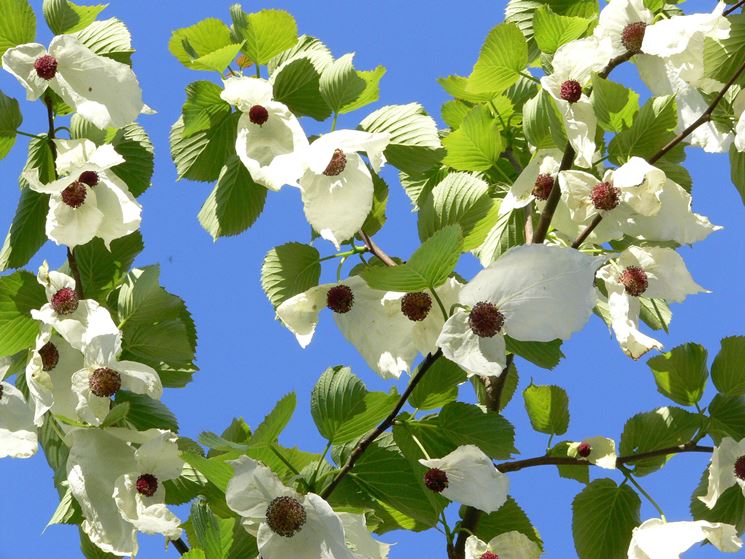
x: 18, y: 437
x: 509, y: 545
x: 657, y: 539
x: 616, y: 17
x: 722, y: 473
x: 602, y: 452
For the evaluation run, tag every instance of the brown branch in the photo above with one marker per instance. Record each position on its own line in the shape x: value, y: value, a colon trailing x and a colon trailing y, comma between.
x: 586, y: 233
x: 359, y: 450
x: 376, y: 250
x: 539, y: 235
x: 509, y: 155
x: 180, y: 546
x: 731, y: 9
x: 615, y: 62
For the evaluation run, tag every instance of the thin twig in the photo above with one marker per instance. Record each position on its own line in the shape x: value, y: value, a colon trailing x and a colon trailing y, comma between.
x: 731, y: 9
x: 614, y: 63
x: 180, y: 546
x: 586, y: 233
x: 539, y: 235
x: 376, y: 250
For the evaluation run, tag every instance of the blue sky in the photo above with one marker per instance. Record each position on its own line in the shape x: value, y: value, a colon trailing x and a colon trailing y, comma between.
x: 248, y: 361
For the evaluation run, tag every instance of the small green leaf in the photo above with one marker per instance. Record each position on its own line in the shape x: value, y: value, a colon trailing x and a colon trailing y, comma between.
x: 376, y: 218
x: 289, y: 269
x: 18, y: 24
x: 134, y: 145
x: 340, y: 84
x: 67, y: 512
x: 469, y: 424
x: 728, y: 367
x: 502, y: 58
x: 206, y: 45
x: 145, y: 412
x: 63, y: 16
x: 544, y: 354
x: 201, y: 156
x: 737, y: 170
x: 268, y: 431
x: 370, y: 94
x: 204, y: 108
x: 214, y: 469
x: 117, y: 414
x: 476, y: 145
x: 543, y: 123
x: 681, y: 373
x: 109, y: 38
x: 615, y: 105
x: 265, y: 33
x: 20, y: 293
x: 508, y: 518
x: 206, y: 531
x: 10, y: 120
x: 439, y: 386
x: 548, y: 408
x: 553, y: 30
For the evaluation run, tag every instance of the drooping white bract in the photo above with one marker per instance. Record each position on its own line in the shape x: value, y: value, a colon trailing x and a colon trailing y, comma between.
x: 285, y: 523
x: 624, y: 22
x: 359, y: 540
x: 101, y: 90
x: 370, y: 319
x: 270, y: 143
x: 424, y: 333
x: 49, y: 376
x: 573, y: 66
x: 17, y: 430
x: 657, y: 539
x: 726, y: 470
x: 655, y: 272
x: 90, y: 200
x: 139, y: 494
x: 531, y: 293
x: 77, y: 321
x: 337, y: 187
x: 467, y: 476
x: 509, y: 545
x: 600, y: 451
x: 103, y: 375
x: 535, y: 181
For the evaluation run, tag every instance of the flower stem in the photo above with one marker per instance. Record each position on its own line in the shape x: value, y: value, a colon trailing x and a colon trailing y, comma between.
x: 333, y: 122
x: 22, y: 133
x: 629, y: 476
x: 439, y: 302
x: 258, y: 70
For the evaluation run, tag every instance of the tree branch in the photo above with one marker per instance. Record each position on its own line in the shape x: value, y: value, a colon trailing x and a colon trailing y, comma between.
x: 615, y: 62
x: 180, y: 546
x: 731, y: 9
x: 376, y: 250
x: 539, y: 235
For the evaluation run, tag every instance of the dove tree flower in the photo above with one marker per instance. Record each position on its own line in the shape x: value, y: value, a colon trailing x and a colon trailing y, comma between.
x: 531, y: 293
x: 656, y: 273
x: 425, y: 315
x: 600, y: 451
x: 337, y: 187
x: 726, y: 470
x: 625, y: 23
x: 370, y: 319
x: 509, y: 545
x: 657, y: 539
x: 101, y: 90
x: 285, y: 523
x: 270, y: 143
x: 18, y: 437
x: 359, y: 540
x: 90, y: 200
x: 467, y: 476
x: 535, y: 181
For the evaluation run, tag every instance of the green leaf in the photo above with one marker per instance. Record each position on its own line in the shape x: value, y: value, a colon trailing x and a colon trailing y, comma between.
x: 370, y: 94
x: 727, y: 417
x: 414, y: 145
x: 476, y: 145
x: 723, y: 57
x: 206, y: 531
x: 67, y: 512
x: 18, y: 24
x: 340, y: 84
x: 201, y: 156
x: 737, y: 170
x: 289, y: 269
x: 579, y: 473
x: 134, y: 145
x: 109, y: 38
x: 265, y: 34
x: 543, y: 123
x: 615, y: 105
x: 20, y: 293
x: 206, y: 45
x: 548, y: 408
x: 681, y: 373
x: 661, y: 428
x: 234, y: 204
x: 63, y: 16
x: 429, y: 267
x: 453, y: 112
x: 604, y: 515
x: 214, y: 469
x: 727, y: 368
x: 653, y: 127
x: 268, y: 431
x: 146, y: 413
x: 376, y: 218
x: 10, y: 120
x: 92, y: 551
x: 729, y: 508
x: 508, y: 518
x: 439, y: 386
x: 469, y: 424
x: 342, y: 407
x: 118, y: 413
x: 204, y: 108
x: 544, y: 354
x: 461, y: 199
x: 502, y: 58
x: 458, y: 87
x: 507, y: 231
x: 553, y: 30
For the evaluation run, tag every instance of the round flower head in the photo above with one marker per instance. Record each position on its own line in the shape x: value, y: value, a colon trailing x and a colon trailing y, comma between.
x: 103, y: 376
x: 424, y: 333
x: 654, y: 272
x: 77, y: 321
x: 596, y: 450
x: 657, y: 539
x: 337, y: 187
x: 139, y: 494
x: 726, y: 470
x: 359, y: 540
x: 89, y: 200
x: 573, y: 66
x: 509, y: 545
x: 270, y: 143
x: 535, y: 182
x: 531, y: 293
x: 624, y: 22
x: 467, y: 476
x: 17, y: 430
x: 370, y: 319
x: 101, y: 90
x: 285, y: 523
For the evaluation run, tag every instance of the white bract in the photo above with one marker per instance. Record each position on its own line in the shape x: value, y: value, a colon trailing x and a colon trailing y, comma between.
x: 270, y: 143
x: 103, y: 376
x: 656, y: 273
x: 359, y: 540
x: 726, y: 470
x: 624, y: 22
x: 101, y: 90
x: 657, y: 539
x: 90, y: 200
x: 17, y: 430
x: 77, y: 321
x: 544, y: 164
x: 285, y: 523
x: 509, y: 545
x: 573, y: 66
x: 531, y: 293
x: 600, y: 451
x: 337, y: 187
x: 424, y: 333
x: 370, y: 319
x: 467, y: 476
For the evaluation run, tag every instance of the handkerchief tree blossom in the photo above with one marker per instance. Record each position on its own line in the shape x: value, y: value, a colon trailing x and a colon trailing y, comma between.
x: 625, y: 23
x: 508, y: 545
x: 658, y: 539
x: 600, y: 451
x: 18, y: 438
x: 727, y: 469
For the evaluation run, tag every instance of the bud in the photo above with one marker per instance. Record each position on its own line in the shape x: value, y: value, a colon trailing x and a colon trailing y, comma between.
x: 632, y: 36
x: 147, y: 485
x: 436, y: 480
x: 543, y: 185
x: 285, y: 516
x: 416, y: 306
x: 49, y: 356
x: 489, y: 555
x: 337, y: 164
x: 340, y: 299
x: 605, y: 196
x: 635, y: 280
x: 258, y: 115
x: 584, y: 450
x: 65, y: 301
x: 105, y: 382
x: 740, y: 468
x: 571, y: 91
x: 88, y: 177
x: 46, y: 67
x: 485, y: 320
x: 75, y: 194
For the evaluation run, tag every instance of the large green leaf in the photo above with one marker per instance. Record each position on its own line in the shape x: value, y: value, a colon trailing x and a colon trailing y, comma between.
x: 553, y: 30
x: 63, y: 16
x: 503, y: 56
x: 439, y: 386
x: 265, y: 33
x: 727, y: 417
x: 20, y: 293
x: 109, y: 38
x: 544, y: 354
x: 508, y: 518
x: 653, y: 127
x: 723, y: 57
x: 201, y: 156
x: 728, y: 368
x: 147, y: 413
x: 737, y: 170
x: 289, y: 269
x: 477, y: 144
x: 340, y: 84
x: 134, y: 145
x: 204, y: 108
x: 206, y: 530
x: 206, y: 45
x: 234, y: 204
x: 681, y: 373
x: 10, y: 120
x: 469, y: 424
x: 342, y: 407
x: 548, y: 408
x: 543, y: 123
x: 615, y: 105
x: 429, y: 267
x: 604, y: 515
x: 17, y: 24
